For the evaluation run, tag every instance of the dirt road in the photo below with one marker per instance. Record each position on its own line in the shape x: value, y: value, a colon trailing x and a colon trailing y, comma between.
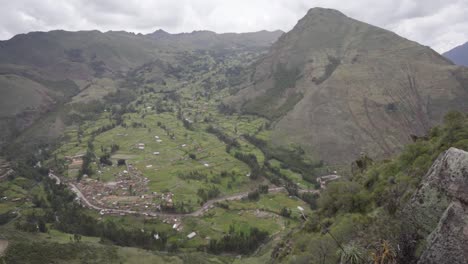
x: 206, y: 206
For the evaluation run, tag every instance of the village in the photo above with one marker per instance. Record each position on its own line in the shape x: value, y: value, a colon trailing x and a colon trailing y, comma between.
x: 127, y: 192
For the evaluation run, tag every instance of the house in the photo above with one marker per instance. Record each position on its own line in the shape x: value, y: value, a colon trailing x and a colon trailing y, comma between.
x: 76, y: 161
x: 191, y: 235
x: 156, y: 153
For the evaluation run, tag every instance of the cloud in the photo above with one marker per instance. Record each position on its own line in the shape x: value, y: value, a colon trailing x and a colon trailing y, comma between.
x: 440, y: 24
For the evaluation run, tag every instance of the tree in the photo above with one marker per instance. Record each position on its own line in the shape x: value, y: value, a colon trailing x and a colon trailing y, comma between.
x: 42, y: 226
x: 254, y: 195
x: 121, y: 162
x: 105, y: 159
x: 77, y: 237
x: 263, y: 189
x: 285, y: 212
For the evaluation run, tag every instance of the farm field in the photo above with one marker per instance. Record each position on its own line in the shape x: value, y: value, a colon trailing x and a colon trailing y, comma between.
x: 165, y: 167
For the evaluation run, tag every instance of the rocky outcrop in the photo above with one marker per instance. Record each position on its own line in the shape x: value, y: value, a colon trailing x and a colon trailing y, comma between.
x: 437, y: 213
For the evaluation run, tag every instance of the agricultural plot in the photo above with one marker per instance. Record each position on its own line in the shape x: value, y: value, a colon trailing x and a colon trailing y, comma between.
x: 264, y: 214
x: 171, y: 149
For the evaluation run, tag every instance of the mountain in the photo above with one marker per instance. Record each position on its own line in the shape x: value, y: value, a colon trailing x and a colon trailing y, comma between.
x: 338, y: 87
x: 459, y: 55
x: 210, y: 40
x: 42, y: 70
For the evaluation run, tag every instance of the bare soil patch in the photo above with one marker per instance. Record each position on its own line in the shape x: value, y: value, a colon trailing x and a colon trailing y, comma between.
x: 3, y: 246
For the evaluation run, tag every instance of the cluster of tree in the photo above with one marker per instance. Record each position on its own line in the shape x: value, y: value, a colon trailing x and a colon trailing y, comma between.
x: 238, y: 241
x: 73, y: 219
x: 234, y: 76
x: 187, y: 124
x: 25, y: 251
x: 263, y: 189
x: 253, y: 195
x: 163, y: 107
x: 259, y: 143
x: 310, y: 199
x: 103, y: 129
x: 229, y: 141
x: 32, y: 223
x: 225, y: 174
x: 104, y: 159
x: 226, y: 109
x: 193, y: 175
x: 121, y: 162
x: 293, y: 159
x: 285, y: 212
x: 172, y: 95
x: 251, y: 161
x: 7, y: 217
x: 207, y: 194
x: 138, y: 124
x: 114, y: 148
x: 87, y: 160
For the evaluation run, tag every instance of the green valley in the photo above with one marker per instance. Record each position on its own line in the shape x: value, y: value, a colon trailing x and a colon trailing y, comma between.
x: 336, y: 142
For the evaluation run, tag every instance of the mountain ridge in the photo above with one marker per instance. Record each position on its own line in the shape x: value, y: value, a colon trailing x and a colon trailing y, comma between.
x: 459, y: 54
x: 348, y: 87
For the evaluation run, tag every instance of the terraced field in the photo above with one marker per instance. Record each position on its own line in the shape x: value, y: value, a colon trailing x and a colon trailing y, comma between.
x: 170, y: 152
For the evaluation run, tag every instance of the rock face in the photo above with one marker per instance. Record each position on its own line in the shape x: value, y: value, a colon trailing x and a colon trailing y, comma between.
x: 339, y: 87
x: 438, y: 211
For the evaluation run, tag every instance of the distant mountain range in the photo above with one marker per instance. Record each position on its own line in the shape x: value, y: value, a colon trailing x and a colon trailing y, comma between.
x: 459, y: 55
x: 41, y: 70
x: 333, y: 85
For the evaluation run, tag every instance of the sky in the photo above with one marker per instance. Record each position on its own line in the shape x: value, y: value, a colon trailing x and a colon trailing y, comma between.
x: 440, y: 24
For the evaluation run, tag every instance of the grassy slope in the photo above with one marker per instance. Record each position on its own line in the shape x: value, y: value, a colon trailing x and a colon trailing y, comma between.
x: 364, y: 210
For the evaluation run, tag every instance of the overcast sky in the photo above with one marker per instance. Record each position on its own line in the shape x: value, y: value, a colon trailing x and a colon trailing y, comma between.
x: 441, y: 24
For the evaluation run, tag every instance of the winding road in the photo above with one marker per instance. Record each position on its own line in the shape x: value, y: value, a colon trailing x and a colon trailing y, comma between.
x: 206, y: 206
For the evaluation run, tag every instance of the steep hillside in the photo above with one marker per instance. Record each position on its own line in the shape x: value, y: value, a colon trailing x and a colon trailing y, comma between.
x: 42, y: 70
x: 339, y: 87
x: 459, y: 55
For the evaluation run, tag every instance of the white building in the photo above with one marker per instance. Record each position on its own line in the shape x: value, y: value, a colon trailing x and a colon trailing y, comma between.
x: 191, y: 235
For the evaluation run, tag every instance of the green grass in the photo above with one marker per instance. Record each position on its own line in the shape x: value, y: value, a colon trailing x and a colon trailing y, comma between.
x: 294, y: 176
x: 177, y: 142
